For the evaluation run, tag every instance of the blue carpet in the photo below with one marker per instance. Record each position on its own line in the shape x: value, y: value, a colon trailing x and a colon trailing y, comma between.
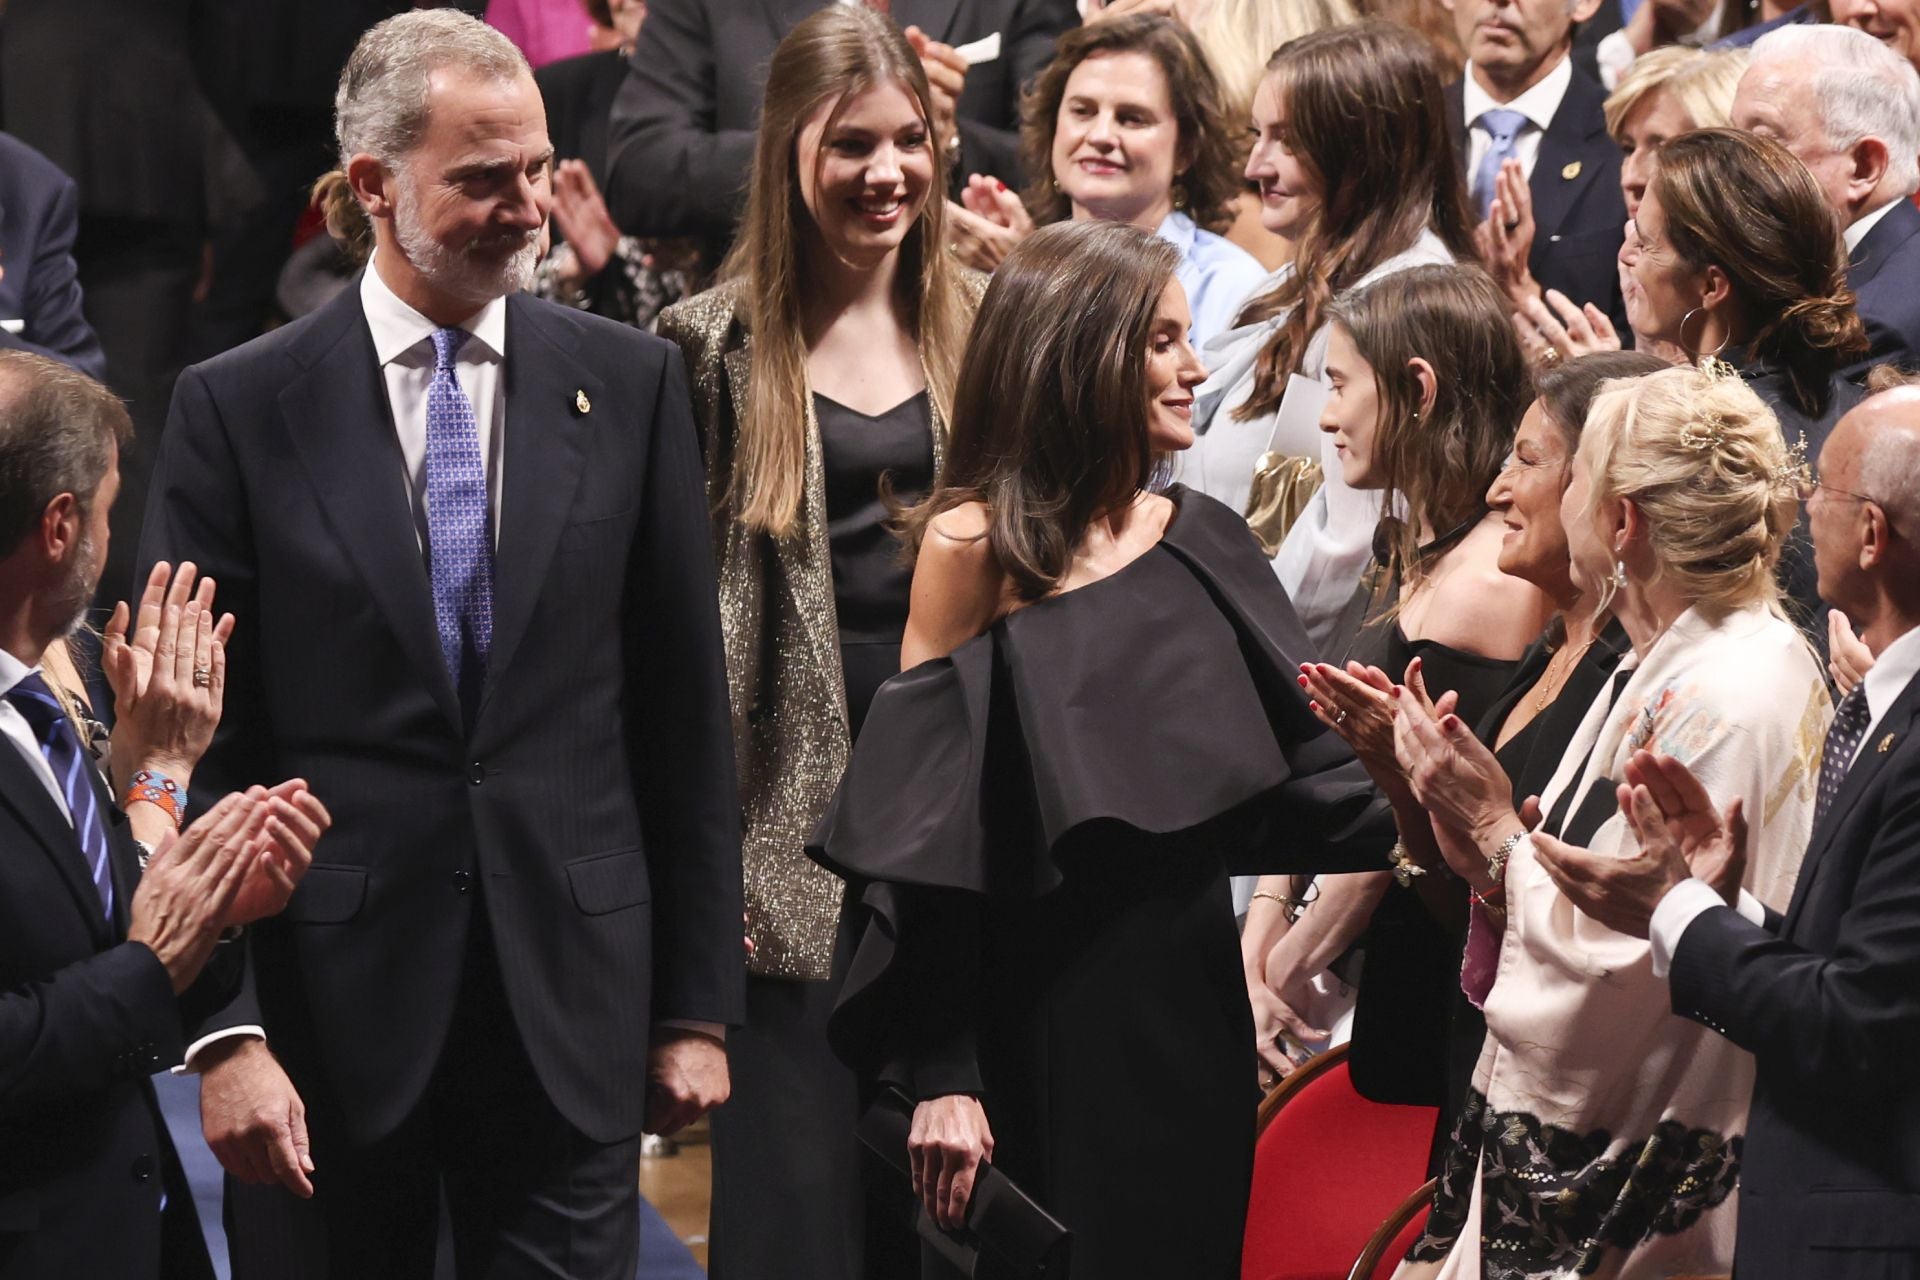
x: 662, y: 1256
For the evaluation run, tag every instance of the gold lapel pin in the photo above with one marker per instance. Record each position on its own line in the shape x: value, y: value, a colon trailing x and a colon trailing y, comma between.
x: 1570, y: 172
x: 581, y: 403
x: 1886, y: 744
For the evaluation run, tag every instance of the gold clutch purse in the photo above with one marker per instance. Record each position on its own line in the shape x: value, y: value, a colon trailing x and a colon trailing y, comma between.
x: 1282, y: 486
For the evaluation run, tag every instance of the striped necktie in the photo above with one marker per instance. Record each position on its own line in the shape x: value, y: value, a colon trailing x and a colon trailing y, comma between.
x: 73, y: 771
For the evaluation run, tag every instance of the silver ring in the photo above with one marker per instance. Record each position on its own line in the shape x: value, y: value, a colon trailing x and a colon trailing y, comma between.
x: 202, y: 677
x: 1340, y: 718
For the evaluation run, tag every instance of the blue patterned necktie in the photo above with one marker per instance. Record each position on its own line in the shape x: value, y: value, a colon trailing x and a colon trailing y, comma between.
x: 1843, y: 740
x: 459, y: 543
x: 1503, y: 127
x: 73, y: 771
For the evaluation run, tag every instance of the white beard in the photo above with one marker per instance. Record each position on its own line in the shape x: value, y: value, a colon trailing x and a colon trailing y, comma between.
x: 460, y: 272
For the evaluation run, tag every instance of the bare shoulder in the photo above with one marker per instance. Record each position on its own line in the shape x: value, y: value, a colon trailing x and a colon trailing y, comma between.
x: 1477, y: 608
x: 958, y: 587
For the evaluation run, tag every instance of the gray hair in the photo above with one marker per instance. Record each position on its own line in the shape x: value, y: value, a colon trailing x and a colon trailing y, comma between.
x: 58, y: 432
x: 1889, y: 473
x: 1861, y: 88
x: 380, y: 108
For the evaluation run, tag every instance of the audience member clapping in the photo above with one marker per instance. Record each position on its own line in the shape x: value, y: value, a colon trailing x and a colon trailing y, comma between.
x: 1680, y: 500
x: 1126, y: 124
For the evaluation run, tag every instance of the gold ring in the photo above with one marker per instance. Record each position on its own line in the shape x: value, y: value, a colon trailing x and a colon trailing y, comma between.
x: 202, y: 677
x: 1550, y: 356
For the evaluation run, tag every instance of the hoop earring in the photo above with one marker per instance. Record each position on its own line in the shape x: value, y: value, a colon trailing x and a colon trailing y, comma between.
x: 1696, y: 357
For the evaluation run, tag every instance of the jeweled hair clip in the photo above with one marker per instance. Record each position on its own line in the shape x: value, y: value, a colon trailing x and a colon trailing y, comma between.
x: 1706, y: 432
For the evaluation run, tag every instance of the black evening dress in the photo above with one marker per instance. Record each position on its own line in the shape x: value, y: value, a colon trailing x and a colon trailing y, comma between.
x: 871, y: 581
x: 793, y: 1194
x: 1043, y: 823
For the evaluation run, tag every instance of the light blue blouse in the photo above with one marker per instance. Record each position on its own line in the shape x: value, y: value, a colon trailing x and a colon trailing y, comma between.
x: 1218, y: 275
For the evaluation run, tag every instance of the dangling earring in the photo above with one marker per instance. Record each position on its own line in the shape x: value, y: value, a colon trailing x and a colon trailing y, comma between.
x: 1179, y: 195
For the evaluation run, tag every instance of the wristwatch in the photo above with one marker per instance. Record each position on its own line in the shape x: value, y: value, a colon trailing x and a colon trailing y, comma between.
x: 1497, y: 862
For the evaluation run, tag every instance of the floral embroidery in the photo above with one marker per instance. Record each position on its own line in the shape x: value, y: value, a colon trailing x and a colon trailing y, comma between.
x: 1553, y: 1202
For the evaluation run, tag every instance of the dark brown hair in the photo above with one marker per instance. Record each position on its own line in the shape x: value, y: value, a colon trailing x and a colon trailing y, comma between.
x: 828, y: 58
x: 1440, y: 463
x: 1050, y: 412
x: 1207, y: 143
x: 1365, y: 113
x: 1566, y: 390
x: 1745, y: 204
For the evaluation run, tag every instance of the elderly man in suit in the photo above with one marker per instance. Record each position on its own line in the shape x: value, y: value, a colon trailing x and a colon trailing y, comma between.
x: 1826, y: 997
x: 468, y: 533
x: 683, y: 125
x: 1849, y: 108
x: 1523, y: 100
x: 100, y: 964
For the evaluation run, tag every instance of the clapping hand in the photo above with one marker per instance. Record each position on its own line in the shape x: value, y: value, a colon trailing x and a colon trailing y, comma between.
x: 580, y: 211
x: 1848, y: 660
x: 946, y: 77
x: 1558, y: 325
x: 1505, y: 239
x: 284, y: 850
x: 168, y: 677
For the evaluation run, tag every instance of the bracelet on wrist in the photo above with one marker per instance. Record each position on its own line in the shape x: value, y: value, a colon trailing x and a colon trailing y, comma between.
x: 161, y: 791
x: 1497, y: 860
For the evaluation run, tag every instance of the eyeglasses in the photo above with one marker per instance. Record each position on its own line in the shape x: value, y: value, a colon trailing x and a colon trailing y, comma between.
x: 1812, y: 483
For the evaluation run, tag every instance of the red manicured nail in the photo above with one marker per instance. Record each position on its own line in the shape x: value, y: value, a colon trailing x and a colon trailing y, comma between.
x: 999, y: 184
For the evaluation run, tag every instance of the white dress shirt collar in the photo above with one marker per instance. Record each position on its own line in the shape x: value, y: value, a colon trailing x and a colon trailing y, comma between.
x: 1538, y: 104
x: 1892, y: 671
x: 12, y: 672
x: 1857, y: 229
x: 398, y: 328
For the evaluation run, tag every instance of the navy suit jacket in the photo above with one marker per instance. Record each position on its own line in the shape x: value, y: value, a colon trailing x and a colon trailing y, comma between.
x: 684, y: 123
x: 1885, y: 275
x: 1579, y: 215
x: 589, y: 808
x: 1827, y: 999
x: 39, y: 284
x: 86, y: 1017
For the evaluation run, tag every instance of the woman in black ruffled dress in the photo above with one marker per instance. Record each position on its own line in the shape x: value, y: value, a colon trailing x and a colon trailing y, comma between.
x: 1098, y: 722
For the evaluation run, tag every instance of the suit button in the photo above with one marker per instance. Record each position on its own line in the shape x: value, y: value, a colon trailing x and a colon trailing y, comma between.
x: 462, y: 881
x: 475, y: 774
x: 142, y: 1168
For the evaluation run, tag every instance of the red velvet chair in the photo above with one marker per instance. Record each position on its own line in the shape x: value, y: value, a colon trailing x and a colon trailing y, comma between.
x: 1329, y: 1167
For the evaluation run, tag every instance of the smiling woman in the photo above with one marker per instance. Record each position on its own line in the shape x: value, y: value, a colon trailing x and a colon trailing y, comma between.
x: 823, y: 371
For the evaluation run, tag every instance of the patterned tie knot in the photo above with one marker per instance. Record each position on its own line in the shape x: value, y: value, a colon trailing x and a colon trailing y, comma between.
x: 446, y: 345
x: 34, y: 700
x: 1502, y: 125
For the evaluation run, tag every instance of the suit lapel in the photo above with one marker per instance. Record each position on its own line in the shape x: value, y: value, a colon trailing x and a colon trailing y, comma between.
x: 1895, y: 725
x: 1895, y: 228
x: 544, y: 453
x: 1567, y: 162
x: 22, y: 791
x: 342, y: 429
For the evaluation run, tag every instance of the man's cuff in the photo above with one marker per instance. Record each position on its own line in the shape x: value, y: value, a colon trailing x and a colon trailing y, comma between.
x: 1683, y: 904
x: 717, y: 1030
x: 189, y: 1068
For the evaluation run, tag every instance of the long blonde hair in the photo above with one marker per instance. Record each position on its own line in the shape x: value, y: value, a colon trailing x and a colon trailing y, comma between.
x: 834, y: 54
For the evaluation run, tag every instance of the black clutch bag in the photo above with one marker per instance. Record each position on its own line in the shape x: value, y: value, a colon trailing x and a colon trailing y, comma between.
x: 1007, y: 1237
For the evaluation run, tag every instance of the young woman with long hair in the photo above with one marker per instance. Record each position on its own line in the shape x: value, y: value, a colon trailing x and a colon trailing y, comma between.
x: 822, y: 369
x: 1356, y: 165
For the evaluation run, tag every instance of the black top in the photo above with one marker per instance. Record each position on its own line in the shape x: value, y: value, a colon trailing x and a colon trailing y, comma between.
x: 871, y: 581
x: 1532, y: 755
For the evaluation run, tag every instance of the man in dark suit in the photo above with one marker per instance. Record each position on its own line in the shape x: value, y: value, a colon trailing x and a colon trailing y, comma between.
x: 98, y: 962
x: 39, y: 284
x: 467, y: 531
x: 1849, y: 108
x: 1826, y: 997
x: 1522, y: 99
x: 683, y: 125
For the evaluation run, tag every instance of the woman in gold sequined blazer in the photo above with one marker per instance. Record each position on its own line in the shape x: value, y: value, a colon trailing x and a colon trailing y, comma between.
x: 822, y: 367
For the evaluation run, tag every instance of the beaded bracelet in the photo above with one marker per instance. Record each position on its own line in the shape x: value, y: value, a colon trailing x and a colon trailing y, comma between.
x: 158, y: 789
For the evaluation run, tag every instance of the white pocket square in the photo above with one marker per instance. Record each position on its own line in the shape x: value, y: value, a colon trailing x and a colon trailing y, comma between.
x: 13, y: 326
x: 985, y: 49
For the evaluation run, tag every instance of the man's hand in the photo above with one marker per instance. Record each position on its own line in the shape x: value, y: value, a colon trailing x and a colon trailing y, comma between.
x: 946, y: 76
x: 253, y: 1117
x: 1848, y: 660
x: 948, y: 1141
x: 295, y: 822
x: 191, y: 883
x: 686, y: 1078
x: 1619, y: 892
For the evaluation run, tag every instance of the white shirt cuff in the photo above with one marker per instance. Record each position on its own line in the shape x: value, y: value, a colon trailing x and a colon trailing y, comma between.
x: 187, y: 1067
x: 1685, y: 903
x: 717, y: 1030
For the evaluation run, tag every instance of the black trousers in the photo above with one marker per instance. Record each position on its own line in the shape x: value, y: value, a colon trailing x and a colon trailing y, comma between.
x: 484, y: 1168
